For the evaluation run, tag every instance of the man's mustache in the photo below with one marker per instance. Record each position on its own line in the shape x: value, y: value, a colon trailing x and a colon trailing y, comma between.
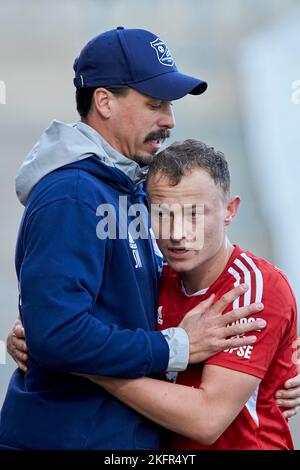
x: 162, y: 134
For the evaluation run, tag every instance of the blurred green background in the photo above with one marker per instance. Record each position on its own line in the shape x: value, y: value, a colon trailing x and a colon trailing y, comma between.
x: 247, y: 50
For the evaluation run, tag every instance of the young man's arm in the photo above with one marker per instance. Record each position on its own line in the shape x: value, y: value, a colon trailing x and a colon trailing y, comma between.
x: 288, y: 398
x: 201, y: 414
x: 228, y: 380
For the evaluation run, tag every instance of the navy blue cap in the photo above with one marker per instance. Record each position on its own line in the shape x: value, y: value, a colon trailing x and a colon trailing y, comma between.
x: 136, y: 58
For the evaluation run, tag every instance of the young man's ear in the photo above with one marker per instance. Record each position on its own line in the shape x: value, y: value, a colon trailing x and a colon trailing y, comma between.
x: 231, y: 209
x: 102, y: 102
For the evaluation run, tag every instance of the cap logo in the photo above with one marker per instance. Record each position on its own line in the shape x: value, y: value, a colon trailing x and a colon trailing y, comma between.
x: 162, y: 52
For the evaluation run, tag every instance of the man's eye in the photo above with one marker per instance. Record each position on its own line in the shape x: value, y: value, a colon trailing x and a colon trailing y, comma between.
x: 155, y: 106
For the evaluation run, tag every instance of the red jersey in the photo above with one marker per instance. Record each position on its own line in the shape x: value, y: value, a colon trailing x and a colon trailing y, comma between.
x: 260, y: 424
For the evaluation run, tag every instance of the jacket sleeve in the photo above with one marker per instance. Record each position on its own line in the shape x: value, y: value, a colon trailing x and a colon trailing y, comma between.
x: 60, y: 278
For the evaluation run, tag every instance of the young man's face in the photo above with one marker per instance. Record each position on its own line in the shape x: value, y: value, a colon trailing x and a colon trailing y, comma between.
x: 139, y: 125
x: 197, y: 220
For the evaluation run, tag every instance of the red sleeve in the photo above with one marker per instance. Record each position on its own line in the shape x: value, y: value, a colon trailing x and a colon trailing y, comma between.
x: 280, y: 315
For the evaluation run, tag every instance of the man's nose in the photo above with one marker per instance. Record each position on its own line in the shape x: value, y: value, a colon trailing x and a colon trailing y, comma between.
x: 167, y: 119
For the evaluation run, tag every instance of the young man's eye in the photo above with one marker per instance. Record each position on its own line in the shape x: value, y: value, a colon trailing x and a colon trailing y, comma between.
x: 164, y: 215
x: 194, y: 216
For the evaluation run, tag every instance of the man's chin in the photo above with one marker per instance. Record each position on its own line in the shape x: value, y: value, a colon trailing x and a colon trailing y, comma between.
x: 145, y: 159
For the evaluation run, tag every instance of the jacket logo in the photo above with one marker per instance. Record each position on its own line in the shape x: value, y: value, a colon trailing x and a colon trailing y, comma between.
x: 162, y: 52
x: 159, y: 316
x: 135, y: 251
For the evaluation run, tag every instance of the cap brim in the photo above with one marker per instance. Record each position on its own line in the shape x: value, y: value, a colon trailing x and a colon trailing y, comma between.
x: 170, y: 86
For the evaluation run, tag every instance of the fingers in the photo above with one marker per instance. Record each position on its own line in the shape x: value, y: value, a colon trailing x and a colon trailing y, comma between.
x: 232, y: 343
x: 242, y: 328
x: 289, y: 397
x: 228, y: 298
x: 290, y: 413
x: 20, y: 356
x: 288, y: 394
x: 19, y: 331
x: 288, y: 404
x: 18, y: 344
x: 292, y: 383
x: 18, y: 351
x: 243, y: 312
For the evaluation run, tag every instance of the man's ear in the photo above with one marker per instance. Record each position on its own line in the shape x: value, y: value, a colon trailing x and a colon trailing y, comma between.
x: 231, y: 209
x: 102, y: 102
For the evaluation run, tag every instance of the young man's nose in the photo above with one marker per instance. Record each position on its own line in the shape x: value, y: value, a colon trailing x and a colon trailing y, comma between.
x: 177, y: 230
